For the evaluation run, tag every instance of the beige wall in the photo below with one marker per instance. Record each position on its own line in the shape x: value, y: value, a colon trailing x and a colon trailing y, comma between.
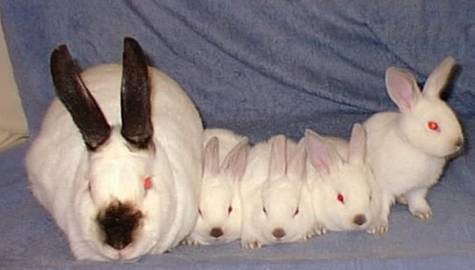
x: 13, y: 127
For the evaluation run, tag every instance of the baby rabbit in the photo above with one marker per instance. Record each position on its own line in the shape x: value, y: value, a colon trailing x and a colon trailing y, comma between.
x: 224, y: 163
x: 407, y: 150
x: 344, y: 193
x: 276, y: 205
x: 119, y: 172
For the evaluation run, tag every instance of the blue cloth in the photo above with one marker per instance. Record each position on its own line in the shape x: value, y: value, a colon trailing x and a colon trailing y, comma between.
x: 259, y: 68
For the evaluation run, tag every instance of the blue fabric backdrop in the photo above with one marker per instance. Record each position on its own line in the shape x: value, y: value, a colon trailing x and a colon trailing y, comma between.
x: 259, y: 68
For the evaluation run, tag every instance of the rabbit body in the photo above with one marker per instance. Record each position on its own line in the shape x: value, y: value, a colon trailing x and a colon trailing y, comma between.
x: 220, y: 214
x: 58, y: 164
x: 408, y: 150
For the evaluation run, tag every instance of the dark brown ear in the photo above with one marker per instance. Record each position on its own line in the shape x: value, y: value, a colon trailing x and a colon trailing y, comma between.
x: 77, y: 99
x: 135, y: 96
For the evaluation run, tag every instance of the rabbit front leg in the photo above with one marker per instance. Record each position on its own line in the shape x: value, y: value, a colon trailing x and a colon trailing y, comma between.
x: 381, y: 224
x: 418, y: 205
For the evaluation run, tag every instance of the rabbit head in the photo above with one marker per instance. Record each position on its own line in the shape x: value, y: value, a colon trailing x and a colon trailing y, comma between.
x: 283, y: 210
x: 219, y: 213
x: 342, y: 187
x: 118, y: 197
x: 426, y: 121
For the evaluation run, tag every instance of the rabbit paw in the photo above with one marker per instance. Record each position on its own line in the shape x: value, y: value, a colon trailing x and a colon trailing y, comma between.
x: 319, y: 229
x: 190, y: 242
x: 252, y: 244
x: 421, y: 211
x: 378, y: 229
x: 422, y: 215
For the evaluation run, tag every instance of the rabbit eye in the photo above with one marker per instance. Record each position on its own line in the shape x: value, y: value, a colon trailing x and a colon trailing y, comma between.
x: 199, y: 212
x: 340, y: 198
x: 296, y: 212
x: 147, y: 183
x: 89, y: 186
x: 264, y: 210
x: 432, y: 125
x: 230, y: 209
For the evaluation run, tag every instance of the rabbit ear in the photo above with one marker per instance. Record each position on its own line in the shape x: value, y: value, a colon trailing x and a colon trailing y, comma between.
x: 278, y: 156
x: 438, y: 78
x: 357, y: 150
x: 135, y: 96
x: 77, y: 99
x: 402, y: 88
x: 211, y: 157
x: 296, y: 165
x: 235, y: 162
x: 322, y: 155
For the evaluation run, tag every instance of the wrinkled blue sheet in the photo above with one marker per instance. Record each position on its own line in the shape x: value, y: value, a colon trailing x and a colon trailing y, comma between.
x: 259, y: 68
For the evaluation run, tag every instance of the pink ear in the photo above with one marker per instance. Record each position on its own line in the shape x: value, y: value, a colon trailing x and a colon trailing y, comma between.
x: 439, y: 77
x: 211, y: 157
x: 297, y: 162
x: 235, y: 162
x: 402, y: 88
x: 357, y: 150
x: 278, y: 156
x: 322, y: 155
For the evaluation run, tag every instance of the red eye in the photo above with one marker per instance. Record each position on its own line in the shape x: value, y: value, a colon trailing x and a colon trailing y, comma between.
x: 147, y: 183
x: 296, y: 212
x: 230, y: 209
x: 433, y: 125
x: 340, y: 198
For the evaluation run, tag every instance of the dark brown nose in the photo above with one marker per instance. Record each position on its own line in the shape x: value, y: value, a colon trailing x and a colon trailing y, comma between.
x: 359, y: 220
x: 216, y: 232
x: 278, y: 233
x: 118, y: 222
x: 459, y: 143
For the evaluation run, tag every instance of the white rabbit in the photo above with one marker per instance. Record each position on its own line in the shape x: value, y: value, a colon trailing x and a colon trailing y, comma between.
x: 344, y: 192
x: 224, y: 163
x: 407, y: 150
x: 276, y: 204
x: 119, y: 173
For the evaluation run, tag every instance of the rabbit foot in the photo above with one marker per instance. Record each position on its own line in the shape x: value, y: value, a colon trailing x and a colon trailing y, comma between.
x: 190, y: 242
x: 424, y: 216
x: 251, y: 244
x: 379, y: 229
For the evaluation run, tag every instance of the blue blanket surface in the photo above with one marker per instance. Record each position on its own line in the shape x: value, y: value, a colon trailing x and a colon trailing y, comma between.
x: 259, y: 68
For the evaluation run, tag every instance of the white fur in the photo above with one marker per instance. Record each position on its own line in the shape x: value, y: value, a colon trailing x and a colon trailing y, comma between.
x: 60, y: 169
x: 335, y: 167
x: 406, y: 156
x: 222, y: 172
x: 274, y: 181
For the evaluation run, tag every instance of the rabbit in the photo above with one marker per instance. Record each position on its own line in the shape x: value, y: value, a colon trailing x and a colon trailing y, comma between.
x: 120, y: 174
x: 344, y: 193
x: 408, y: 150
x: 276, y: 204
x: 219, y: 212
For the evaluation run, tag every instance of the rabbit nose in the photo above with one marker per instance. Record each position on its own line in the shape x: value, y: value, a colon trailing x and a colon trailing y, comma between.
x: 216, y: 232
x: 118, y: 222
x: 459, y: 143
x: 359, y: 220
x: 278, y: 233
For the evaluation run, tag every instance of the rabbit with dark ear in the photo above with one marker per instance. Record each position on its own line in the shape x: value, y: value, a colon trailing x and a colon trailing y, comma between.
x: 407, y: 150
x: 119, y: 171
